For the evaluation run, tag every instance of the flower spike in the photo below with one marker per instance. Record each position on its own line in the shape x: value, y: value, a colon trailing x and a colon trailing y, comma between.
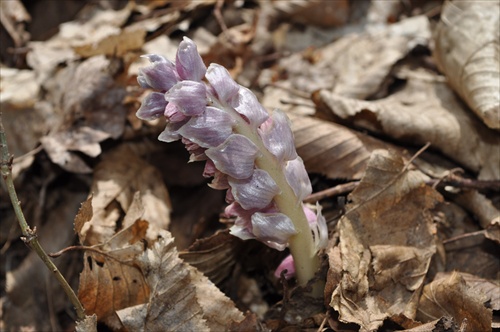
x: 246, y: 151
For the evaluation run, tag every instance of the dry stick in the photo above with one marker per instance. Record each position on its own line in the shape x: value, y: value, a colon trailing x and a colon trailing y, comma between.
x: 330, y: 192
x: 29, y: 235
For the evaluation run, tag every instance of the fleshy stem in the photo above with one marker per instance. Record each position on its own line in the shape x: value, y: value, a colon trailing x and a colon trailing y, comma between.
x: 301, y: 245
x: 29, y: 235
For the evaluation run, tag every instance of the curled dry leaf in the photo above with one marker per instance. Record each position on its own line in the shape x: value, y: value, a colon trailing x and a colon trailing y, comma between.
x: 467, y: 50
x: 181, y: 299
x: 331, y: 149
x: 426, y: 110
x: 450, y: 296
x: 386, y: 243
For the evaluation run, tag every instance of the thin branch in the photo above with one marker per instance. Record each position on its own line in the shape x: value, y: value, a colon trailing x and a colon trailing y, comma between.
x: 331, y: 192
x: 30, y: 235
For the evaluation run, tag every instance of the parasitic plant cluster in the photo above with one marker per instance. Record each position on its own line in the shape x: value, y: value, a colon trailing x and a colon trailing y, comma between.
x: 248, y: 152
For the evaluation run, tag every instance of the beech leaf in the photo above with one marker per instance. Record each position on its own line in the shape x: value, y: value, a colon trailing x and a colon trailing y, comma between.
x: 331, y: 149
x: 215, y: 256
x: 181, y: 299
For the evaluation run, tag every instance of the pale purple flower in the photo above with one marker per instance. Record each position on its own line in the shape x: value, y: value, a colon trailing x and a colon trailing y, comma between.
x: 247, y: 151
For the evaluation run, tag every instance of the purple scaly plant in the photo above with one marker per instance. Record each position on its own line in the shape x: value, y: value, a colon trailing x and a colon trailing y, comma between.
x: 246, y: 151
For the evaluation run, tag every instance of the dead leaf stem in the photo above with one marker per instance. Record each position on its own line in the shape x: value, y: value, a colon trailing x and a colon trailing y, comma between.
x: 30, y: 235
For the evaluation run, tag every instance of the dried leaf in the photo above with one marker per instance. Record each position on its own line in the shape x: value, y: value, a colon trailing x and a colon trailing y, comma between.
x: 320, y: 13
x: 101, y: 34
x: 89, y: 324
x: 331, y: 149
x: 84, y: 215
x: 110, y: 280
x: 116, y: 180
x: 181, y: 298
x: 493, y: 230
x: 386, y: 243
x: 18, y: 95
x: 215, y: 256
x: 12, y: 15
x: 354, y: 66
x: 426, y: 110
x: 444, y: 324
x: 468, y: 51
x: 487, y: 290
x: 450, y: 296
x: 479, y: 205
x: 93, y: 111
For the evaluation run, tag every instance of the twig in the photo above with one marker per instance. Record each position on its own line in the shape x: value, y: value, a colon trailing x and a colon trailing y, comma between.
x: 334, y: 191
x: 415, y: 156
x: 29, y: 235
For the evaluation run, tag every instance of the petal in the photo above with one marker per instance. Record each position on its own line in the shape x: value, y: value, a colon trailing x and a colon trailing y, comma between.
x: 209, y: 169
x: 189, y: 97
x: 287, y: 264
x: 247, y: 105
x: 152, y: 107
x: 235, y: 157
x: 188, y: 61
x: 235, y: 209
x: 173, y: 114
x: 310, y: 215
x: 297, y: 177
x: 211, y: 128
x: 255, y: 192
x: 242, y: 232
x: 274, y: 229
x: 320, y: 229
x: 222, y: 82
x: 161, y: 75
x: 219, y: 180
x: 170, y: 134
x: 278, y: 137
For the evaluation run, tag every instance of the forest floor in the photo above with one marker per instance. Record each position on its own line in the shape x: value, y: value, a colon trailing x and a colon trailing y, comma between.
x: 394, y: 106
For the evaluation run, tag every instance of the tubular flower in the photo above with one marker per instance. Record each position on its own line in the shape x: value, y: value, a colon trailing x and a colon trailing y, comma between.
x: 247, y: 151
